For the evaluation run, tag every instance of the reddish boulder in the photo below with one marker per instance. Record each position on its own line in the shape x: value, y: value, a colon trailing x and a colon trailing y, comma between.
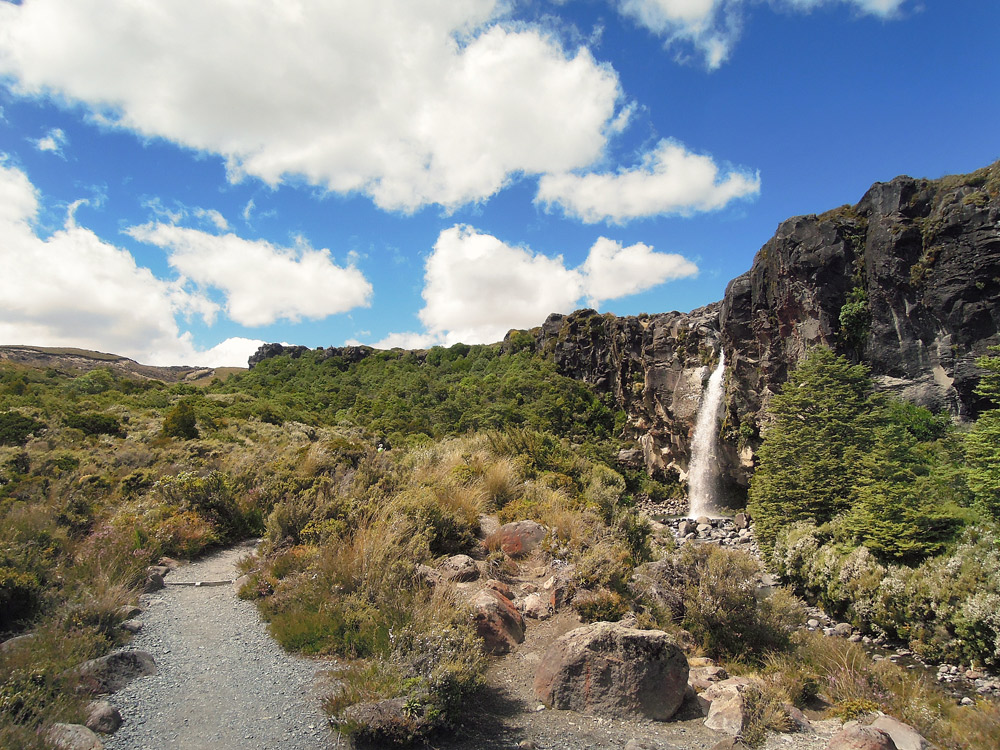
x: 497, y: 620
x: 520, y: 537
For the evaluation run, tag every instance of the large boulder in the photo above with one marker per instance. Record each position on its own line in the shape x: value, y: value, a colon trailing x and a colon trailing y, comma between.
x: 609, y: 669
x: 856, y: 737
x: 114, y: 671
x: 73, y: 737
x: 497, y: 620
x: 905, y: 736
x: 520, y: 538
x: 728, y: 713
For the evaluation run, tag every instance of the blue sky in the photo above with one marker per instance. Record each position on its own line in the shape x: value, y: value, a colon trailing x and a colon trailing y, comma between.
x: 181, y: 181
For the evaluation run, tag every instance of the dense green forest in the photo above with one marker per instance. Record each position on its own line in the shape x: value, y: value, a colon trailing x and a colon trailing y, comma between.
x: 882, y: 512
x: 356, y: 473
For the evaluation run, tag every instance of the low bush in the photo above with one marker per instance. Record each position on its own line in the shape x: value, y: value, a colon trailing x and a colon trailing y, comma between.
x: 602, y: 605
x: 15, y: 428
x: 945, y: 607
x: 726, y: 614
x: 91, y: 423
x: 714, y: 594
x: 20, y: 596
x: 185, y: 534
x: 181, y: 422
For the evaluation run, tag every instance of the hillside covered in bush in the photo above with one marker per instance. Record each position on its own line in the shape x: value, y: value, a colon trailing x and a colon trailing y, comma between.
x: 356, y: 474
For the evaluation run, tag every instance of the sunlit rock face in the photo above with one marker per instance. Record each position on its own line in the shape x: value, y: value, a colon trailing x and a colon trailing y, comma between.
x: 926, y: 255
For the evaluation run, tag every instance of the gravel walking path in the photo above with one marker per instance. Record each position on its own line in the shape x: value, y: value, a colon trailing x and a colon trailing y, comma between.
x: 223, y: 683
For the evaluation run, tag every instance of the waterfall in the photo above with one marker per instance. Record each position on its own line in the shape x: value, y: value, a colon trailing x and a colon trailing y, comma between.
x: 703, y: 473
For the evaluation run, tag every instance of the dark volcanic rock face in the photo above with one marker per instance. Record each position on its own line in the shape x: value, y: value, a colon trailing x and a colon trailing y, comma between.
x: 925, y: 254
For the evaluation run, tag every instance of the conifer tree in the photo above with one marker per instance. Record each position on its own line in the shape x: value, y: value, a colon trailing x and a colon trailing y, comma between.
x: 810, y: 463
x: 900, y: 513
x: 982, y: 445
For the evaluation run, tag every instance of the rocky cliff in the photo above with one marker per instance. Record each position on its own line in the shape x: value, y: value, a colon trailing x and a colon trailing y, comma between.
x: 907, y: 281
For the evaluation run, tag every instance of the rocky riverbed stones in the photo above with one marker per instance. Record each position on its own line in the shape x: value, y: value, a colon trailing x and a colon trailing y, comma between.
x: 609, y: 670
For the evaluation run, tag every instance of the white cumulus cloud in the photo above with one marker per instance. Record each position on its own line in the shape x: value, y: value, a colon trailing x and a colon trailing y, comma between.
x: 412, y: 103
x: 477, y: 287
x: 612, y: 271
x: 712, y: 27
x: 53, y: 141
x: 74, y: 289
x: 262, y: 282
x: 671, y: 180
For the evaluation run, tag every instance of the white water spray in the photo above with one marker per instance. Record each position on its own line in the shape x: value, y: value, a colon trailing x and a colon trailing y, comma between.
x: 703, y: 473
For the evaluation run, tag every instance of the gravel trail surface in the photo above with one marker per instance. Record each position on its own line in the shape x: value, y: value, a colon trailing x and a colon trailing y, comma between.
x: 223, y: 683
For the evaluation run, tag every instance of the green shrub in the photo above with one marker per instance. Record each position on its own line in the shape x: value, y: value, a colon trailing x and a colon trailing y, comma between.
x: 348, y: 626
x: 447, y: 527
x: 606, y: 564
x: 724, y: 613
x: 15, y: 428
x: 634, y: 530
x: 20, y: 594
x: 601, y: 606
x: 855, y: 319
x: 180, y: 422
x: 92, y: 423
x: 943, y: 607
x: 96, y: 381
x: 214, y: 498
x: 185, y: 534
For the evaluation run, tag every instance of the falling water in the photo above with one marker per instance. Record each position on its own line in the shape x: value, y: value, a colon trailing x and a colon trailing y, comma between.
x: 703, y: 472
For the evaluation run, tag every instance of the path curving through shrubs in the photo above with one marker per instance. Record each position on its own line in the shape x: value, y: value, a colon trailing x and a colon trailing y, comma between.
x: 223, y: 683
